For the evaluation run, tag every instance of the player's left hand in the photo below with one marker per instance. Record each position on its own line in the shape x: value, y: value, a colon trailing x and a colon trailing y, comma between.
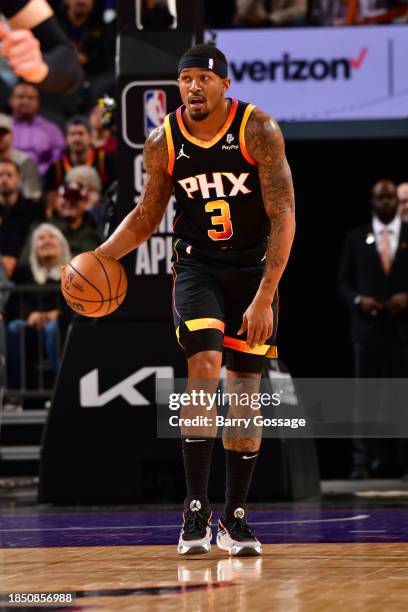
x: 257, y: 321
x: 22, y: 51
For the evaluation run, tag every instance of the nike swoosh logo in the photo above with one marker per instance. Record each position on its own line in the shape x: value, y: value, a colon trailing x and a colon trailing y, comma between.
x: 188, y: 440
x: 249, y: 456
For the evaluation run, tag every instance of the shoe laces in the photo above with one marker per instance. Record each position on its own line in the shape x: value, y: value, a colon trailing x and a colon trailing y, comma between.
x: 240, y: 525
x: 194, y: 521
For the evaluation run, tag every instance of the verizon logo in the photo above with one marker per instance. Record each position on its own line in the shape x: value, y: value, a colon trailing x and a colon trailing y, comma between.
x: 294, y: 69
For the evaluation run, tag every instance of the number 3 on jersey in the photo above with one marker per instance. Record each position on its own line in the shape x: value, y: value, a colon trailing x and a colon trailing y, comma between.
x: 223, y: 219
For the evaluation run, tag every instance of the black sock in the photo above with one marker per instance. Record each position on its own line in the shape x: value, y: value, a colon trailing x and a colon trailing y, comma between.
x: 240, y: 467
x: 197, y: 454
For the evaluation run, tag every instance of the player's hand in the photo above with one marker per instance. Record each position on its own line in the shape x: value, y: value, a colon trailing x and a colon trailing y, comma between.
x: 396, y: 303
x: 257, y: 322
x: 22, y: 51
x: 100, y: 253
x: 370, y: 306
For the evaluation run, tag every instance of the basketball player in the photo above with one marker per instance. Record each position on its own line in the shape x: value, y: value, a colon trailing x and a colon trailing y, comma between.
x: 234, y: 227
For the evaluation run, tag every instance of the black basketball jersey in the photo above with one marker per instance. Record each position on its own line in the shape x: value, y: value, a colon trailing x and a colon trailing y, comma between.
x: 217, y: 189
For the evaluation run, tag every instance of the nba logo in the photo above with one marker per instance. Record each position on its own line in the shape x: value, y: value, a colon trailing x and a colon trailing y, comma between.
x: 210, y: 64
x: 155, y: 109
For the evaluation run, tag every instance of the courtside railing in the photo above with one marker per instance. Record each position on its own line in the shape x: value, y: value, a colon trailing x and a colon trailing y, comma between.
x: 27, y: 374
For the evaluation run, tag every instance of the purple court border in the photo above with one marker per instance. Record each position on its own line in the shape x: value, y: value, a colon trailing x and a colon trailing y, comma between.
x: 150, y: 528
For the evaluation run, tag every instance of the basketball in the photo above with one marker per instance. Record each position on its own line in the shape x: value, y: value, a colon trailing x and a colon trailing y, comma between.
x: 93, y: 285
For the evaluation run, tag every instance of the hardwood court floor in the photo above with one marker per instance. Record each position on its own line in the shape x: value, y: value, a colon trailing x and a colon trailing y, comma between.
x: 288, y: 577
x: 316, y: 559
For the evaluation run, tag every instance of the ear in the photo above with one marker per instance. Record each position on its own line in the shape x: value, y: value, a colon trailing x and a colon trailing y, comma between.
x: 227, y: 84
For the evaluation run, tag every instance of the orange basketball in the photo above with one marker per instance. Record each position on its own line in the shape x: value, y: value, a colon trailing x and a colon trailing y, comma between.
x: 93, y: 285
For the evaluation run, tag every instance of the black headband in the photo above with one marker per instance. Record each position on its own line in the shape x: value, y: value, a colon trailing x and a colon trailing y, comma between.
x: 203, y: 61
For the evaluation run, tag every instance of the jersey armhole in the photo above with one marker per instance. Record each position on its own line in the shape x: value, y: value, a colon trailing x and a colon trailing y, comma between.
x: 242, y: 144
x: 170, y: 145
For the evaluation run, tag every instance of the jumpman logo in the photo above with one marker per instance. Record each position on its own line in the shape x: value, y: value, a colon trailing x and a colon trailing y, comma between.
x: 181, y: 153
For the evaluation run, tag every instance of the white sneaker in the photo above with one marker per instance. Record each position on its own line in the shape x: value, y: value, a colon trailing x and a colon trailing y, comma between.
x: 195, y: 535
x: 236, y: 537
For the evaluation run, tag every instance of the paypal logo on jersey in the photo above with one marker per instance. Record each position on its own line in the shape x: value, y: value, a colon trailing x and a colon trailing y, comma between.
x: 155, y: 109
x: 230, y: 147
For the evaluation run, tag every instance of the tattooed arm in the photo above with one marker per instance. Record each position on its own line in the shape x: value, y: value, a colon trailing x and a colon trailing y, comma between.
x: 265, y: 144
x: 142, y: 221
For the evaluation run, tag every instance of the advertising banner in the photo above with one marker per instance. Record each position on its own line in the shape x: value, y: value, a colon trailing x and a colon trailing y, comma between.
x: 320, y: 74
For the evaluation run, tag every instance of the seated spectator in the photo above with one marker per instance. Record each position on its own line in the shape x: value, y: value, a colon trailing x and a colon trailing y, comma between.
x: 288, y: 13
x: 88, y: 178
x: 256, y: 13
x: 327, y: 13
x: 79, y: 152
x: 38, y: 312
x: 16, y: 215
x: 72, y: 218
x: 102, y: 136
x: 354, y: 12
x: 83, y: 23
x: 38, y: 137
x: 31, y: 185
x: 250, y: 13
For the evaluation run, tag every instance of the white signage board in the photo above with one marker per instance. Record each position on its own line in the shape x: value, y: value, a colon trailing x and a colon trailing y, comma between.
x: 321, y: 74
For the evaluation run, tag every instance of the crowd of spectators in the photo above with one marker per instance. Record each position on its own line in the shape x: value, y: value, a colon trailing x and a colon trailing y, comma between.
x: 160, y: 14
x: 295, y: 13
x: 57, y: 160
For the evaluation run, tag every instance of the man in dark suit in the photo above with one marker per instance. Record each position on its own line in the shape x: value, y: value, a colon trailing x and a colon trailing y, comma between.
x: 373, y: 282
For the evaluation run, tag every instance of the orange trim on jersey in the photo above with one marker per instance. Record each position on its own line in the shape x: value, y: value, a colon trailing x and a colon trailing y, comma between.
x: 170, y: 145
x: 206, y: 144
x: 241, y: 345
x: 205, y: 323
x: 244, y: 121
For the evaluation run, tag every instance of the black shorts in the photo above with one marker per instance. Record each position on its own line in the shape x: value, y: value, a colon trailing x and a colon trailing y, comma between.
x: 211, y: 291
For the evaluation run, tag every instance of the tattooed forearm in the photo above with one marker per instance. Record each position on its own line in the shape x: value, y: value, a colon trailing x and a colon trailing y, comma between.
x: 143, y: 220
x: 265, y: 143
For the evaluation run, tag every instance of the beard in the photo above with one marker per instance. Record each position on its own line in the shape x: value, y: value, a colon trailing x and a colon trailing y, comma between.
x: 199, y: 115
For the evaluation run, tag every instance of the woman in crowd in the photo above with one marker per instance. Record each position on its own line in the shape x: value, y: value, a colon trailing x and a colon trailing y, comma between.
x: 38, y: 313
